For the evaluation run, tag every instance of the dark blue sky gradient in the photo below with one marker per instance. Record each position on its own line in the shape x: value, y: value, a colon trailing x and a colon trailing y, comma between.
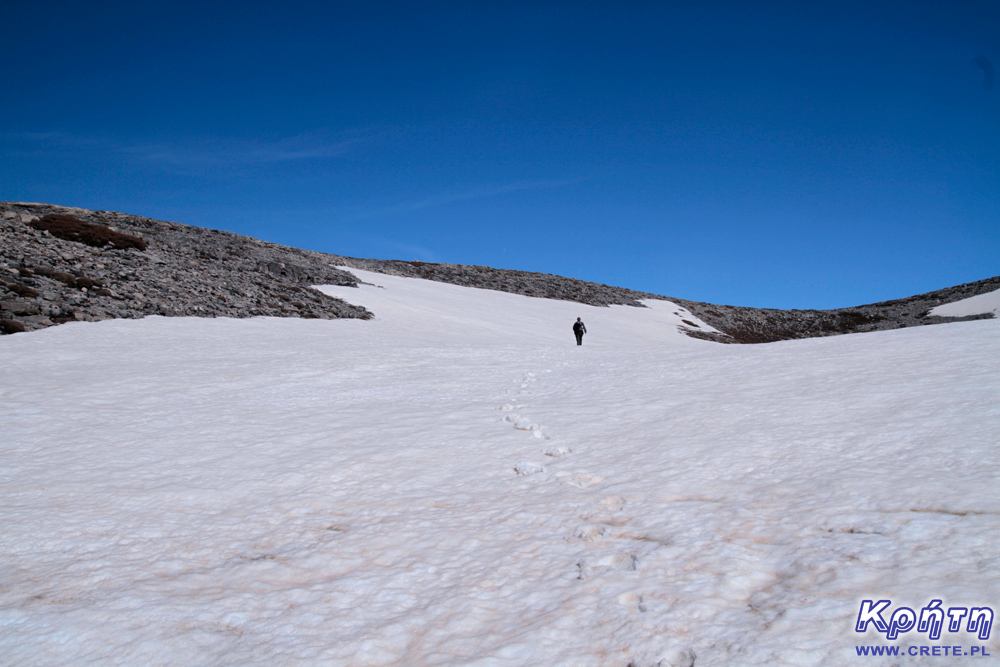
x: 795, y: 155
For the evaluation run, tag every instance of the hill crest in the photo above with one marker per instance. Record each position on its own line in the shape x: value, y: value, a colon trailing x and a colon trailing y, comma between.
x: 191, y: 271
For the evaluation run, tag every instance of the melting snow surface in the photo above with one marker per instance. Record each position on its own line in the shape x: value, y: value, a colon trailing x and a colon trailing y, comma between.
x: 974, y: 305
x: 457, y: 483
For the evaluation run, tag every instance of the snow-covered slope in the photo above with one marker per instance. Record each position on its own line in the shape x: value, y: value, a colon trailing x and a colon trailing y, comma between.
x: 428, y: 312
x: 457, y: 483
x: 975, y: 305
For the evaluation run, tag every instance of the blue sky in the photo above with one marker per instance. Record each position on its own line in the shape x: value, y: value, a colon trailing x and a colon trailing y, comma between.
x: 791, y: 155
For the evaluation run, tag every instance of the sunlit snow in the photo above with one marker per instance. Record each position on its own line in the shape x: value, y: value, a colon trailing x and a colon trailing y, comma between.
x: 457, y: 483
x: 974, y: 305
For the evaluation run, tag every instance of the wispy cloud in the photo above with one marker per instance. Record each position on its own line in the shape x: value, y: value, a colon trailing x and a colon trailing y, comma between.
x: 35, y: 143
x: 216, y: 152
x: 480, y: 192
x: 34, y: 136
x: 197, y: 154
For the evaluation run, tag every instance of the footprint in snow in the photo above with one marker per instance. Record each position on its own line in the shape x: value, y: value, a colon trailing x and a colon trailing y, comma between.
x: 672, y: 657
x: 590, y: 533
x: 580, y: 480
x: 614, y: 503
x: 633, y: 600
x: 528, y: 467
x: 677, y: 656
x: 557, y: 450
x: 534, y: 429
x: 623, y: 561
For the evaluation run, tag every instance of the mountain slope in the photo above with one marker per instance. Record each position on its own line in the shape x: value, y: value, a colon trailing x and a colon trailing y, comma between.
x: 181, y: 271
x: 190, y: 271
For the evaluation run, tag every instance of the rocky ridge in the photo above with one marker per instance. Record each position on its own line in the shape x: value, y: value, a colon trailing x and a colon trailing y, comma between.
x: 766, y: 325
x: 739, y: 324
x: 184, y: 270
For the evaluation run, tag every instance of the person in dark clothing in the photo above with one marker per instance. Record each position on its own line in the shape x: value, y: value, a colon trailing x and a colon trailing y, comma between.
x: 579, y: 328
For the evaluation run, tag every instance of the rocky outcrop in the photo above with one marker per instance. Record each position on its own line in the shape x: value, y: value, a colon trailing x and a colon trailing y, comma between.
x: 95, y: 274
x: 766, y: 325
x: 59, y: 264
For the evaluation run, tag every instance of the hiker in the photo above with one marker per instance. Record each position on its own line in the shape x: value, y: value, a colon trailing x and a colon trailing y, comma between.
x: 579, y: 328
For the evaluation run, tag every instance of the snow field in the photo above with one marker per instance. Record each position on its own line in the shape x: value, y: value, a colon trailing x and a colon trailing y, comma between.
x: 456, y: 483
x: 974, y: 305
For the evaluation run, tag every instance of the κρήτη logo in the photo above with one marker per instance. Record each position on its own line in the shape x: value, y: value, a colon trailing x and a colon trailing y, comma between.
x: 931, y: 619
